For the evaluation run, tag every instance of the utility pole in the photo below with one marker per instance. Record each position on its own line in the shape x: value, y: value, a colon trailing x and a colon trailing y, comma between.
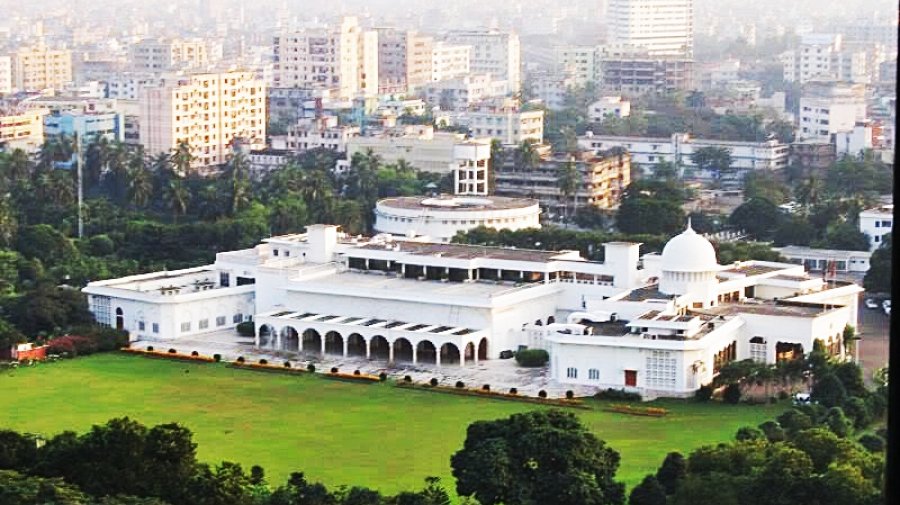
x: 78, y: 161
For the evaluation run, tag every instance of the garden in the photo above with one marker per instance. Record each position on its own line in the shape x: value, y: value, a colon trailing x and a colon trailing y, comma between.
x: 336, y: 431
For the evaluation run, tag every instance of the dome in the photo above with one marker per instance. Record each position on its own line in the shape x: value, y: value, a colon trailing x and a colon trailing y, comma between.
x: 689, y: 252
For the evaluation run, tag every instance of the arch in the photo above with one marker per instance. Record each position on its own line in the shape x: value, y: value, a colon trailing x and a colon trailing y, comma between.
x: 379, y: 348
x: 312, y: 342
x: 356, y: 345
x: 426, y: 353
x: 267, y: 336
x: 290, y: 339
x: 120, y: 319
x: 403, y: 350
x: 450, y: 354
x: 469, y: 351
x: 483, y: 348
x: 551, y: 320
x: 334, y: 343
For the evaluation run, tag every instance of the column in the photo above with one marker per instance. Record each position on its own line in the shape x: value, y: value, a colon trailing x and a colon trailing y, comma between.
x: 277, y: 339
x: 299, y: 342
x: 414, y: 348
x: 256, y: 338
x: 437, y: 356
x: 474, y: 354
x: 462, y: 357
x: 346, y: 343
x: 323, y: 346
x: 390, y: 352
x: 368, y: 350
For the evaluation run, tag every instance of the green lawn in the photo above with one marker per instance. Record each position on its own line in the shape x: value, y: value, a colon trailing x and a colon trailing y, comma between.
x: 340, y: 433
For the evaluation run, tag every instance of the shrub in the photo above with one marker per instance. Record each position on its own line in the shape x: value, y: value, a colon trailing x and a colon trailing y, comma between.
x: 772, y: 431
x: 433, y: 381
x: 195, y: 353
x: 872, y: 443
x: 246, y: 329
x: 773, y: 400
x: 486, y: 387
x: 542, y: 394
x: 382, y: 376
x: 749, y: 433
x: 334, y: 369
x: 74, y: 345
x: 704, y: 393
x: 460, y: 384
x: 732, y: 393
x: 263, y: 361
x: 856, y: 409
x: 287, y: 364
x: 619, y: 395
x: 310, y: 368
x: 570, y: 395
x: 356, y: 372
x: 532, y: 358
x: 513, y: 391
x: 407, y: 378
x: 240, y: 359
x: 217, y: 357
x: 173, y: 351
x: 150, y: 348
x: 783, y: 395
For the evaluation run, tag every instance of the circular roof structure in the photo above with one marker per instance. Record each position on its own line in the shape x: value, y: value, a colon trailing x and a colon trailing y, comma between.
x: 689, y: 252
x: 457, y: 203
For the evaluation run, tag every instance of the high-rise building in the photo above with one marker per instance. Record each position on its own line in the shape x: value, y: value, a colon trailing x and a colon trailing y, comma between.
x: 828, y: 108
x: 341, y: 58
x: 159, y: 55
x: 449, y: 60
x: 206, y: 110
x: 6, y: 82
x: 493, y: 52
x: 660, y: 27
x: 404, y: 60
x: 37, y: 68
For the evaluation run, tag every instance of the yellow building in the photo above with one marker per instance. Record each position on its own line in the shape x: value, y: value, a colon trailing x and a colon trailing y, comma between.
x: 38, y: 68
x: 22, y: 130
x: 208, y: 110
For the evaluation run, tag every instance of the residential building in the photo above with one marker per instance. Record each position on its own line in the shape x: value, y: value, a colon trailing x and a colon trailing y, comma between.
x: 876, y: 223
x: 440, y: 218
x: 263, y: 161
x: 637, y: 73
x: 39, y: 67
x: 161, y: 55
x: 6, y: 78
x: 507, y: 123
x: 401, y: 106
x: 128, y: 85
x: 322, y: 133
x: 208, y: 111
x: 551, y: 88
x: 493, y: 52
x: 660, y: 325
x: 719, y: 74
x: 659, y: 27
x: 88, y: 126
x: 828, y: 108
x: 604, y: 178
x: 581, y: 62
x: 22, y: 129
x: 342, y: 58
x: 404, y: 60
x: 609, y: 106
x: 828, y: 56
x: 826, y: 260
x: 648, y: 151
x: 460, y: 93
x: 813, y: 154
x: 449, y: 60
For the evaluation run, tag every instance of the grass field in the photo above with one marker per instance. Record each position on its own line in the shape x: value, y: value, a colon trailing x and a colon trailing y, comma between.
x: 337, y: 432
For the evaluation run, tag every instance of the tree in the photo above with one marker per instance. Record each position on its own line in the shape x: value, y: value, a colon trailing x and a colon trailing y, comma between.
x: 672, y: 471
x: 648, y: 492
x: 829, y: 391
x: 536, y: 457
x: 766, y: 185
x: 9, y: 336
x: 837, y: 422
x: 773, y: 431
x: 717, y: 159
x: 569, y: 180
x: 665, y: 170
x: 794, y: 421
x: 527, y: 157
x: 176, y: 196
x: 758, y: 217
x: 181, y: 158
x: 878, y: 277
x: 653, y: 207
x: 141, y: 186
x: 749, y: 433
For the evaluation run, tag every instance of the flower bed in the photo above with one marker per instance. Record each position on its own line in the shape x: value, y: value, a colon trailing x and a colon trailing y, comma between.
x: 559, y: 402
x: 266, y: 367
x: 169, y: 355
x: 353, y: 377
x: 637, y: 411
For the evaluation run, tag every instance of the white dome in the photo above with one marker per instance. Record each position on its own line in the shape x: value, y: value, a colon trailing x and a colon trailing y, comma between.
x: 689, y: 252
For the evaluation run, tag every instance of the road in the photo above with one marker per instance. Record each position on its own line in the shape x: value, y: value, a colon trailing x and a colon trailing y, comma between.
x: 874, y: 329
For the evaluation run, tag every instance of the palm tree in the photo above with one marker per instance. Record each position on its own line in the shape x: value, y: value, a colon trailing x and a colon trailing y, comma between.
x: 182, y: 157
x: 568, y: 180
x: 209, y: 206
x: 497, y: 155
x: 527, y: 157
x: 117, y: 170
x: 236, y: 177
x: 177, y: 197
x: 141, y: 186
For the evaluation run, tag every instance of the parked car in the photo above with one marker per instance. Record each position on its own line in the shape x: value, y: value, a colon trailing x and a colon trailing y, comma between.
x: 871, y: 303
x: 802, y: 399
x: 886, y: 304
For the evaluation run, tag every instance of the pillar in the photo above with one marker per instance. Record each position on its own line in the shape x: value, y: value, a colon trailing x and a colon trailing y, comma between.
x: 368, y: 350
x: 437, y: 356
x: 277, y: 339
x: 390, y: 352
x: 256, y: 338
x: 299, y: 342
x: 414, y: 349
x: 323, y: 345
x: 462, y: 357
x: 346, y: 343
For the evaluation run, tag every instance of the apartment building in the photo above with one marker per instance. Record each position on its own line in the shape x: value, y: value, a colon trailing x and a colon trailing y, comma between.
x: 604, y: 176
x: 6, y: 79
x: 321, y: 133
x: 508, y: 124
x: 876, y: 223
x: 581, y: 62
x: 160, y: 55
x: 828, y: 108
x: 207, y: 110
x: 449, y: 60
x: 829, y: 56
x: 493, y: 52
x: 22, y: 129
x: 459, y: 93
x: 38, y: 68
x: 404, y: 60
x: 128, y: 85
x: 659, y: 27
x: 638, y: 72
x: 88, y: 126
x: 342, y: 58
x: 551, y: 88
x: 608, y: 106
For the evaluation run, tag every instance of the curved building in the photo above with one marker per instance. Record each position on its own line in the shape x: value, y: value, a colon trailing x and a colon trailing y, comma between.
x: 440, y: 218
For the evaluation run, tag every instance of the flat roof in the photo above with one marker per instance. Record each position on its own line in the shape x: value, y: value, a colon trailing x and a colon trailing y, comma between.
x: 458, y: 203
x: 751, y: 270
x: 769, y: 309
x: 463, y: 251
x: 647, y: 293
x: 399, y: 285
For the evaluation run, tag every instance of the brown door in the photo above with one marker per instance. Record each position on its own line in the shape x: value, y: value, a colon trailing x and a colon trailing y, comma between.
x: 631, y: 378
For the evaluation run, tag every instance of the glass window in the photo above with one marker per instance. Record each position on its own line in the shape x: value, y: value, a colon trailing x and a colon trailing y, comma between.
x: 220, y: 321
x: 237, y: 318
x: 155, y: 327
x: 594, y: 374
x: 141, y: 325
x: 185, y: 327
x: 204, y: 324
x: 572, y: 373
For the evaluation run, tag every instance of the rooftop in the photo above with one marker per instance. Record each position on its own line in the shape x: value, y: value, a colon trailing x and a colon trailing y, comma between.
x: 458, y: 204
x: 751, y: 270
x: 647, y: 293
x: 392, y: 285
x: 460, y: 251
x: 767, y: 308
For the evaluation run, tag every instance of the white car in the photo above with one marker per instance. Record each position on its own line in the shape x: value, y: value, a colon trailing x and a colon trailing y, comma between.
x: 886, y: 305
x: 871, y: 303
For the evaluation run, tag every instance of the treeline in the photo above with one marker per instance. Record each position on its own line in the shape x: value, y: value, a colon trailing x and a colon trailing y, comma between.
x: 124, y: 462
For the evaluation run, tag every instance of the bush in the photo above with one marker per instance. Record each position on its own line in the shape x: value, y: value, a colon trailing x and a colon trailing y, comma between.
x: 773, y: 400
x: 772, y: 431
x: 334, y: 369
x: 173, y: 351
x: 460, y: 384
x: 542, y: 394
x: 532, y: 358
x: 240, y: 359
x: 783, y: 395
x: 570, y: 395
x: 433, y: 381
x: 263, y: 361
x: 618, y: 395
x: 217, y: 357
x: 150, y: 348
x: 749, y: 433
x: 704, y: 393
x: 513, y: 391
x: 732, y: 393
x: 287, y: 364
x: 246, y: 329
x: 74, y: 345
x: 382, y: 376
x: 486, y: 387
x: 856, y: 409
x: 195, y: 353
x: 310, y: 368
x: 872, y: 443
x: 356, y: 372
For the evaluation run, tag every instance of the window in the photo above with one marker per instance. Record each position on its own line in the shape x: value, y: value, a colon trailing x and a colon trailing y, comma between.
x: 185, y: 327
x: 572, y: 373
x: 594, y: 374
x: 661, y: 368
x: 237, y: 318
x: 274, y: 252
x: 155, y: 327
x: 141, y: 325
x: 220, y: 321
x: 204, y: 324
x: 224, y: 279
x: 758, y: 349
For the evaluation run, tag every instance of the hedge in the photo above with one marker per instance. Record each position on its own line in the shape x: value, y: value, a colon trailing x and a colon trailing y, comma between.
x: 532, y: 358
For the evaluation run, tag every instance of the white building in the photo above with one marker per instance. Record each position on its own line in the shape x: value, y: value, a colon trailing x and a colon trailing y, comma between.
x: 22, y: 129
x: 648, y: 151
x: 551, y: 88
x: 460, y: 93
x: 404, y: 60
x: 493, y: 52
x: 449, y: 60
x: 661, y: 27
x: 6, y: 80
x: 324, y: 133
x: 508, y: 124
x: 160, y: 55
x: 128, y: 85
x: 826, y: 56
x: 208, y: 111
x: 578, y: 61
x: 664, y: 328
x: 828, y: 108
x: 39, y: 68
x: 825, y: 260
x: 609, y: 106
x: 439, y: 219
x: 876, y: 223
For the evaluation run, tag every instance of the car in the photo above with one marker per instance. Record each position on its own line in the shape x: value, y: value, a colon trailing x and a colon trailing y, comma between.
x: 886, y: 304
x: 802, y: 399
x: 871, y: 303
